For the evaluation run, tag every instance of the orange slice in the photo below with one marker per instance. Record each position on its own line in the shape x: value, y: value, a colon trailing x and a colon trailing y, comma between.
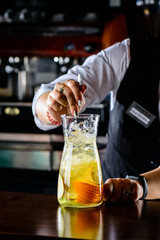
x: 88, y: 193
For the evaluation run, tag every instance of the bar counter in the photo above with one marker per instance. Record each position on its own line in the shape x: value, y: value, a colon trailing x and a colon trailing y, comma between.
x: 38, y: 216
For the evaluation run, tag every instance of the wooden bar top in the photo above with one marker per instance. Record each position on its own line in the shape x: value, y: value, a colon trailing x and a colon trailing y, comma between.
x: 38, y: 216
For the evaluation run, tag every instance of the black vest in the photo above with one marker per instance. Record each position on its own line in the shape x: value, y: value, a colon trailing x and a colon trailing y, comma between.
x: 132, y: 148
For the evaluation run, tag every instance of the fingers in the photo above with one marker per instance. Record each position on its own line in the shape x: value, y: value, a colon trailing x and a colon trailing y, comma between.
x: 108, y: 189
x: 127, y: 191
x: 64, y: 97
x: 68, y: 94
x: 121, y: 190
x: 56, y: 98
x: 76, y: 90
x: 114, y: 188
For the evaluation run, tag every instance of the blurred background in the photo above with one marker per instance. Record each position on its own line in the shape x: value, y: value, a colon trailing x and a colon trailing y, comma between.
x: 39, y: 41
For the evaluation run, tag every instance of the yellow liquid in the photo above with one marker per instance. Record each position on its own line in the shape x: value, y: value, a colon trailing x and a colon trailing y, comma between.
x: 80, y: 181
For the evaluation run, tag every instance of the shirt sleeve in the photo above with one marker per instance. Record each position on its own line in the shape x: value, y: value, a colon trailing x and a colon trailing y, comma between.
x: 100, y: 73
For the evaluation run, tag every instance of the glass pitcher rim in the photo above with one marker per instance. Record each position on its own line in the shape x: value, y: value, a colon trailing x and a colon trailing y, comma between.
x: 81, y: 115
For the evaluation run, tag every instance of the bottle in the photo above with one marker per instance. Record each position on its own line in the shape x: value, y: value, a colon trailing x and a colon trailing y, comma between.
x: 80, y: 182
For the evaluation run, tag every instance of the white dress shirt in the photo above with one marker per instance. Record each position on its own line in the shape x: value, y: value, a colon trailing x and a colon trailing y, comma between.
x: 102, y: 73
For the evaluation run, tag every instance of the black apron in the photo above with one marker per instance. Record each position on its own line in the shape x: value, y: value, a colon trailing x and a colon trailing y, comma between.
x: 132, y: 148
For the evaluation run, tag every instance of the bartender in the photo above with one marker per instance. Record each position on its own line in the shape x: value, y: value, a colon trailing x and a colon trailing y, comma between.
x: 130, y: 72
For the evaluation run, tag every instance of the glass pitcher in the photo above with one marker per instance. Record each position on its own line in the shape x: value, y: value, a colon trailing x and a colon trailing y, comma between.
x: 80, y: 182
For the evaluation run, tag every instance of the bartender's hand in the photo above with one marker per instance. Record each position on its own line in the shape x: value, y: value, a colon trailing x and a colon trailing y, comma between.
x: 122, y: 190
x: 65, y: 98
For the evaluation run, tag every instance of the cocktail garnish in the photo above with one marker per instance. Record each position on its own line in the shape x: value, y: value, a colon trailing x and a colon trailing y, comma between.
x: 88, y: 192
